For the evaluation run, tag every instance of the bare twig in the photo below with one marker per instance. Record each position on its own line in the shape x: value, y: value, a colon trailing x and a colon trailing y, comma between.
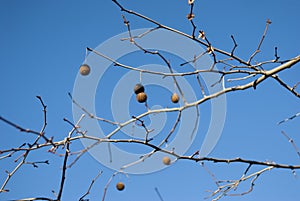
x: 292, y: 142
x: 90, y: 187
x: 34, y: 164
x: 260, y: 42
x: 190, y: 17
x: 276, y: 55
x: 289, y: 118
x: 21, y: 129
x: 285, y: 85
x: 234, y: 43
x: 158, y: 194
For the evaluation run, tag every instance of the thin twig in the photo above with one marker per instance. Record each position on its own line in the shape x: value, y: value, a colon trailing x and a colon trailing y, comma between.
x: 235, y: 45
x: 158, y: 193
x: 91, y: 185
x: 260, y: 42
x: 292, y: 142
x: 289, y: 118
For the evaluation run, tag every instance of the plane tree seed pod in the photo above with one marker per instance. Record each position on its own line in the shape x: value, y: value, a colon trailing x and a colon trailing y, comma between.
x: 141, y: 97
x: 175, y: 98
x: 120, y: 186
x: 84, y: 69
x: 138, y: 88
x: 166, y: 160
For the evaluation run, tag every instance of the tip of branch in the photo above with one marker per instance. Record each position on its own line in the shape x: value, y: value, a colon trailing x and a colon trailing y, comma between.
x: 70, y: 95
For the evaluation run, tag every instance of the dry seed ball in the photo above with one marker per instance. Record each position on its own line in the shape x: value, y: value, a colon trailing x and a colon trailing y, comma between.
x: 120, y: 186
x: 138, y: 88
x: 84, y: 69
x: 175, y: 98
x: 166, y: 160
x: 141, y: 97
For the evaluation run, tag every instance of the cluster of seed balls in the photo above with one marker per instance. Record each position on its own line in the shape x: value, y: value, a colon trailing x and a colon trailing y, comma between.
x: 139, y: 90
x: 141, y: 96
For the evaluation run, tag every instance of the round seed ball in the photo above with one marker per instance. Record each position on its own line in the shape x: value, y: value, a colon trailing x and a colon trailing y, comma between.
x: 141, y: 97
x: 138, y: 88
x: 84, y: 69
x: 166, y: 160
x: 120, y: 186
x: 175, y: 98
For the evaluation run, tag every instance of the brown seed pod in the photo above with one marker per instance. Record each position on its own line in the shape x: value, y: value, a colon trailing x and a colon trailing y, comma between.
x: 175, y: 98
x: 120, y: 186
x: 84, y: 69
x: 166, y: 160
x: 141, y: 97
x: 138, y: 88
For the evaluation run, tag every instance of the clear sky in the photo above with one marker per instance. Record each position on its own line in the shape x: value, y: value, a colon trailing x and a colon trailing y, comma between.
x: 43, y: 44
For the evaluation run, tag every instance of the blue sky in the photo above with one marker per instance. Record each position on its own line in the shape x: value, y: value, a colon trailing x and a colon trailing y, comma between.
x: 43, y: 44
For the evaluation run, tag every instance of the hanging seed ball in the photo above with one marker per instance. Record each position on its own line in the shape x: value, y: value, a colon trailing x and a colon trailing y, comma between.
x: 120, y: 186
x: 138, y: 88
x: 84, y: 69
x: 166, y: 160
x: 141, y: 97
x: 175, y: 98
